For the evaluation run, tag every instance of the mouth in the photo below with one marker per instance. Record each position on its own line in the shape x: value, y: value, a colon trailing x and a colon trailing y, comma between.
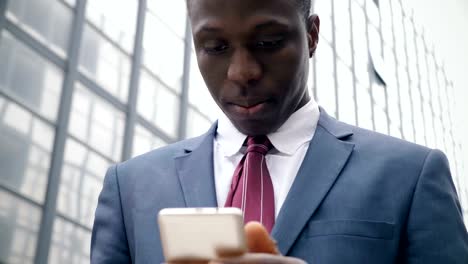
x: 249, y: 108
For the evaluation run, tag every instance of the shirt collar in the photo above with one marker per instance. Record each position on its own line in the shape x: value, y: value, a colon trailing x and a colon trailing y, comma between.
x: 287, y: 139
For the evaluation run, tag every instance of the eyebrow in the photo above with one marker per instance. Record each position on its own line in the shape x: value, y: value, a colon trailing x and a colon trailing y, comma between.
x: 262, y: 25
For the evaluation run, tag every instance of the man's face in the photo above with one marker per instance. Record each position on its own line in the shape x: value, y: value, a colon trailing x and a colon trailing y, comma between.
x: 254, y: 58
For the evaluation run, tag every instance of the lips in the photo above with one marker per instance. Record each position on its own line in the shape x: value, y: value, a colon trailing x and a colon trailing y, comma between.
x: 246, y: 108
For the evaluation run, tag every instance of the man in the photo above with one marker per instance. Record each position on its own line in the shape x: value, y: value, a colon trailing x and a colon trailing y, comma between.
x: 330, y: 192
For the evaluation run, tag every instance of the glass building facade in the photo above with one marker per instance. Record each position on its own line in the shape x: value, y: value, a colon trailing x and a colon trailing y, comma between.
x: 88, y: 83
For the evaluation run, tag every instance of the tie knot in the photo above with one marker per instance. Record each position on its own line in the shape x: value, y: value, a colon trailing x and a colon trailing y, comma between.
x: 260, y: 144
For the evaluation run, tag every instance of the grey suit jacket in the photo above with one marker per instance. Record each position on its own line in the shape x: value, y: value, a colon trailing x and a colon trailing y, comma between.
x: 359, y: 197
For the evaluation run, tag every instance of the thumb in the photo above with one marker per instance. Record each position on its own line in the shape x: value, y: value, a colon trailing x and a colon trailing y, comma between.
x: 259, y: 240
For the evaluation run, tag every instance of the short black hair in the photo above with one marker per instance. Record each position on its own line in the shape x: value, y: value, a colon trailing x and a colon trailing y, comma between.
x: 305, y: 6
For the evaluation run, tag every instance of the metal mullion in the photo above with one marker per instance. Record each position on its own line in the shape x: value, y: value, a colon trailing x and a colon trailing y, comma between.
x: 101, y: 92
x: 19, y: 195
x: 353, y: 63
x: 131, y: 117
x: 371, y: 78
x: 184, y: 96
x: 335, y: 58
x: 382, y: 45
x: 419, y: 78
x: 49, y: 211
x: 396, y: 72
x: 154, y: 130
x: 3, y: 8
x: 314, y: 64
x: 439, y: 115
x: 14, y: 99
x: 34, y: 44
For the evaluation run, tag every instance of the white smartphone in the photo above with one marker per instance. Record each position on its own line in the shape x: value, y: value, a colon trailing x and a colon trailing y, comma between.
x: 200, y: 233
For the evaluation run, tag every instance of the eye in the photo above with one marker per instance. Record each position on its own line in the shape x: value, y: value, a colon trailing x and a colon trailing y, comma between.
x: 270, y: 43
x: 215, y: 47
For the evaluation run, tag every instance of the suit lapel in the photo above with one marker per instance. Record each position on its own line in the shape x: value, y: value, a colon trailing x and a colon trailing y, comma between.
x: 195, y: 171
x: 324, y: 160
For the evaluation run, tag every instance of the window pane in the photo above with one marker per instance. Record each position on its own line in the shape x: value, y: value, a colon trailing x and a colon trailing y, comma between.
x: 380, y: 120
x: 104, y: 63
x: 343, y: 31
x: 19, y: 225
x: 26, y: 151
x: 145, y: 141
x: 324, y: 9
x: 364, y: 107
x: 171, y: 13
x: 346, y: 94
x: 163, y: 52
x: 48, y: 21
x: 70, y: 244
x: 325, y: 79
x: 117, y: 19
x: 41, y: 89
x: 196, y: 123
x: 81, y: 182
x: 158, y: 104
x: 97, y: 123
x: 361, y: 52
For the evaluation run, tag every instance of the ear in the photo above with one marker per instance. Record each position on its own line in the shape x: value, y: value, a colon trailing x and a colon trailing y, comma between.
x: 313, y: 29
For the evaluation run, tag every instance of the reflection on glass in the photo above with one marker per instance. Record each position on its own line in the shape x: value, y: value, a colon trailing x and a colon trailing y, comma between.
x: 26, y: 151
x: 104, y: 63
x: 81, y: 182
x: 19, y: 225
x: 41, y: 89
x: 117, y: 19
x: 48, y: 21
x: 163, y: 51
x: 158, y: 104
x: 199, y: 96
x: 145, y: 141
x: 97, y: 123
x: 196, y: 123
x: 373, y: 13
x: 70, y: 244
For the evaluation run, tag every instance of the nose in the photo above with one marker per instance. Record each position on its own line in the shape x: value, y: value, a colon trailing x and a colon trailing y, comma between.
x: 244, y: 68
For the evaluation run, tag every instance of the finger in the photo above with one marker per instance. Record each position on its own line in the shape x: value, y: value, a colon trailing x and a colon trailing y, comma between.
x: 259, y: 240
x: 261, y: 258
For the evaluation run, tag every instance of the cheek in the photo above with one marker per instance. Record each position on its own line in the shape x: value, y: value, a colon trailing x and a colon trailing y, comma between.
x: 289, y: 68
x: 213, y: 71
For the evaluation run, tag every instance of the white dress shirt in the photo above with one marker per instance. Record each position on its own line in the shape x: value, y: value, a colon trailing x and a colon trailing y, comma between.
x: 290, y: 143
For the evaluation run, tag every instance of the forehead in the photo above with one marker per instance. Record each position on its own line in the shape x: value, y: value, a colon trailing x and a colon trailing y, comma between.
x: 201, y: 11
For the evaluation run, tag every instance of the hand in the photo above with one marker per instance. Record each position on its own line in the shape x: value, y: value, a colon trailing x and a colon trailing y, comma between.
x: 261, y: 249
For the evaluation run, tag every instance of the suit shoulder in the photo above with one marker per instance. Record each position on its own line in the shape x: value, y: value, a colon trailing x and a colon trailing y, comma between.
x: 376, y: 143
x: 162, y: 156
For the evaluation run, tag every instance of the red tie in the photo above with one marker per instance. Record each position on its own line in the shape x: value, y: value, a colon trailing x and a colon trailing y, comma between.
x: 251, y: 187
